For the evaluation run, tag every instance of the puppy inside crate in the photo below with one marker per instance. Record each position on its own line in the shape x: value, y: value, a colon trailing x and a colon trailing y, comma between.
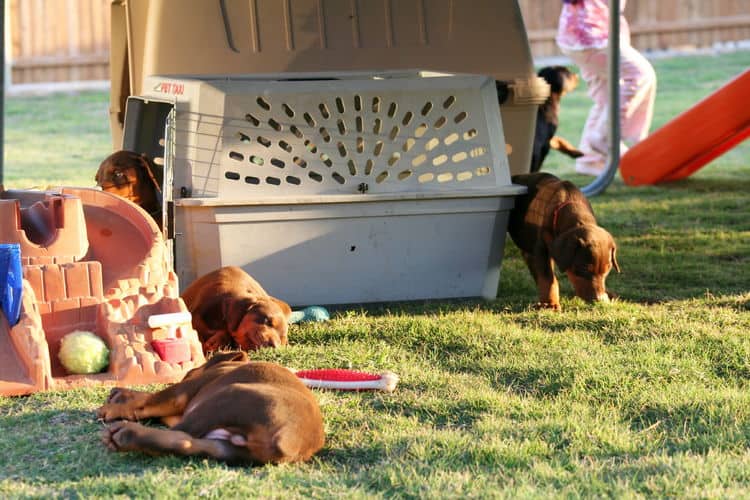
x: 135, y: 177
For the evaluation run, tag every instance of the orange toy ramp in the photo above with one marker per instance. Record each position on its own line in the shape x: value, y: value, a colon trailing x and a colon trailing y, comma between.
x: 692, y: 139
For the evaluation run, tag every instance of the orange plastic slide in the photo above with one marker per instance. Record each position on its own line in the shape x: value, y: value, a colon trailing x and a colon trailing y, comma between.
x: 692, y: 139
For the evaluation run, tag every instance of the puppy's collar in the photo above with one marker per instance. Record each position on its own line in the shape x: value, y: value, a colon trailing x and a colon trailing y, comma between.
x: 556, y: 212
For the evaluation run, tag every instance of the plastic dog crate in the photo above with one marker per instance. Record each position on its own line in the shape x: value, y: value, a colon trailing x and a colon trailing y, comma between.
x: 340, y: 188
x: 328, y: 178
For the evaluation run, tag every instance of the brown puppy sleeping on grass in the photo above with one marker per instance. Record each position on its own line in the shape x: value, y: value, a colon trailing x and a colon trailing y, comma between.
x: 553, y: 223
x: 228, y: 409
x: 231, y: 309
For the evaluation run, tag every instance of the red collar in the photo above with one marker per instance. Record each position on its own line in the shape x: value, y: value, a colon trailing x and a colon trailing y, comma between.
x: 556, y: 212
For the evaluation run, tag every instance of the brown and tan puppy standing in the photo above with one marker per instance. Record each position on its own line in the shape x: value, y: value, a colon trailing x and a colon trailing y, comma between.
x: 228, y: 409
x: 231, y: 309
x: 553, y: 223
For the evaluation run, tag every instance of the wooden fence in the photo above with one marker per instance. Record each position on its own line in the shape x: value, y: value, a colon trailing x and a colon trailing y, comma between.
x: 58, y: 40
x: 68, y: 40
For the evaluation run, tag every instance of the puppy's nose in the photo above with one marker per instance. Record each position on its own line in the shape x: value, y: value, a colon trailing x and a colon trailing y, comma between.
x: 273, y: 342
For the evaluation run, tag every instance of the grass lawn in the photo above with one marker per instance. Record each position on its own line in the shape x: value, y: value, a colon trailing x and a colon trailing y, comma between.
x: 645, y: 397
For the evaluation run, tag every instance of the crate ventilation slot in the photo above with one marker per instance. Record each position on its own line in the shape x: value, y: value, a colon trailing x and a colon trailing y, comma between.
x: 391, y: 141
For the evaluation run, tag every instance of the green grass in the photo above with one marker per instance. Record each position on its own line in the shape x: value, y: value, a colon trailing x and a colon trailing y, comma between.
x: 55, y: 140
x: 645, y: 397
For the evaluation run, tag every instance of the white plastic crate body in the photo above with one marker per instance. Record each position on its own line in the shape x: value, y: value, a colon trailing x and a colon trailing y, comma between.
x: 428, y: 224
x: 355, y: 251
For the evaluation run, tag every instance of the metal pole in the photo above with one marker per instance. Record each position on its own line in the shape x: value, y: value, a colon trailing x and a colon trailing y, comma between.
x: 605, y: 178
x: 2, y: 90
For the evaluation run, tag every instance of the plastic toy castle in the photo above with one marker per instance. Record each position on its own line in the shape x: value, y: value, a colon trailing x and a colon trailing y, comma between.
x: 90, y: 261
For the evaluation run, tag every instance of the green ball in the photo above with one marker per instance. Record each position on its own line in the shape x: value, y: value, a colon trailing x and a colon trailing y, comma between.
x: 83, y: 352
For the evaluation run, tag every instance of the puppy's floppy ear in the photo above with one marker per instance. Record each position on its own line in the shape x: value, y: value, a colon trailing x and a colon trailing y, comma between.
x: 99, y: 176
x: 563, y: 249
x: 234, y: 310
x: 284, y: 306
x: 226, y: 356
x: 614, y: 258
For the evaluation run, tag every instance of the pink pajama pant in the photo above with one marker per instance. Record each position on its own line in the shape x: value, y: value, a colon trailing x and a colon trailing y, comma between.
x: 637, y: 94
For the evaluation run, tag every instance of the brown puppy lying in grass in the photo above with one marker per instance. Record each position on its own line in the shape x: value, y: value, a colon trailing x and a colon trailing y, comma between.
x: 134, y: 177
x: 228, y: 409
x: 231, y: 309
x: 553, y: 223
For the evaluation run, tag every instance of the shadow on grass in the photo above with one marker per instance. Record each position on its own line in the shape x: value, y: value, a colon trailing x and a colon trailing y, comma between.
x: 436, y: 453
x: 53, y: 446
x: 544, y: 383
x: 739, y: 304
x: 438, y: 414
x: 62, y: 446
x: 694, y: 428
x: 713, y: 185
x: 512, y: 304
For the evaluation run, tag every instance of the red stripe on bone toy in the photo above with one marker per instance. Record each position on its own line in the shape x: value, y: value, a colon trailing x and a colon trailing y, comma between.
x: 171, y: 349
x: 348, y: 380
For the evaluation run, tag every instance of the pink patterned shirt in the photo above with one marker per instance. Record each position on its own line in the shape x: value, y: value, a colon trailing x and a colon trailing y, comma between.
x: 585, y: 25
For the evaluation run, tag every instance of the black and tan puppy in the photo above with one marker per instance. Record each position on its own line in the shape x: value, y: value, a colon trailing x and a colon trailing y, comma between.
x: 231, y: 309
x: 134, y: 177
x: 228, y: 409
x: 553, y: 223
x: 561, y: 81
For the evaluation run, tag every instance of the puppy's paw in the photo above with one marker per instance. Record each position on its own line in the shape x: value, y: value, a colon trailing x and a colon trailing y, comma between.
x: 548, y: 305
x: 122, y: 404
x: 114, y: 411
x: 119, y: 395
x: 101, y: 412
x: 576, y: 154
x: 212, y: 344
x: 120, y: 435
x: 104, y: 412
x: 217, y: 341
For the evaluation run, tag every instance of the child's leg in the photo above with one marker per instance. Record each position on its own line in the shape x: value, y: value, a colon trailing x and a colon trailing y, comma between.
x: 594, y: 138
x: 637, y: 94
